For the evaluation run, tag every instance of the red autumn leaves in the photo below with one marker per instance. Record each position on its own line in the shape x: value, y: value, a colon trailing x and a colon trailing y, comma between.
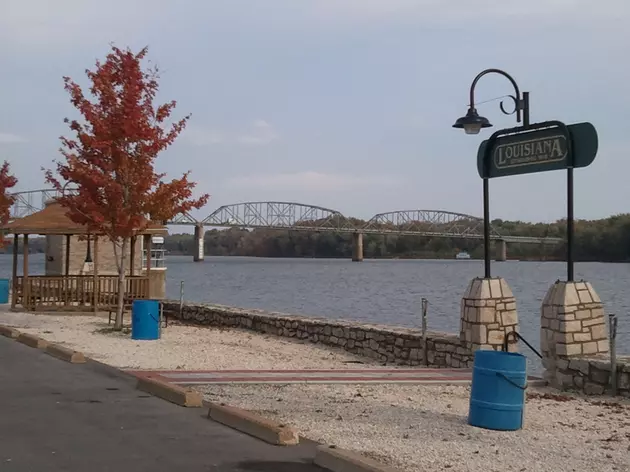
x: 110, y: 160
x: 7, y: 182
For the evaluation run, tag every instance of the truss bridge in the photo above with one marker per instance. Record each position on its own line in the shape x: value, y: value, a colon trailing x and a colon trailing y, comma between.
x: 292, y: 216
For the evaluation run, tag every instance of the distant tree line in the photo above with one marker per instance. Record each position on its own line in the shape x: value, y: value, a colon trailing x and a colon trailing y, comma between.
x: 606, y: 240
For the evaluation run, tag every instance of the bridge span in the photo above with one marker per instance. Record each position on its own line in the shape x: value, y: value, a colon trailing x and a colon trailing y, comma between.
x: 292, y: 216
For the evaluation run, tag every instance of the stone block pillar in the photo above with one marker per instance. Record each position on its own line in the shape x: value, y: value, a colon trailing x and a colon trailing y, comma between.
x: 199, y: 249
x: 572, y: 324
x: 157, y: 283
x: 488, y: 313
x: 357, y: 247
x: 501, y: 248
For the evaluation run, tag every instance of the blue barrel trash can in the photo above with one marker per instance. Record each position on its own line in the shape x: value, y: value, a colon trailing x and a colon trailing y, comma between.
x: 4, y: 291
x: 145, y: 320
x: 497, y: 397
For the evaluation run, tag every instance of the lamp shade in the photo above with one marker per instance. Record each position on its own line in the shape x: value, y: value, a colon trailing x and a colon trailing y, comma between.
x: 472, y: 122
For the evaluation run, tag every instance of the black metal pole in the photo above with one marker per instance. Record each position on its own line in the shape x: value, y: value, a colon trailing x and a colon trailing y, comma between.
x: 570, y: 223
x: 525, y: 108
x: 522, y: 106
x: 486, y: 226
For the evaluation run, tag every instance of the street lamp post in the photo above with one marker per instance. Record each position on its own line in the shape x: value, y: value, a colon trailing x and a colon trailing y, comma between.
x: 472, y: 123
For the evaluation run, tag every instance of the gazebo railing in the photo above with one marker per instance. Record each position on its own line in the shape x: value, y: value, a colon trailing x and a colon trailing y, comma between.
x: 76, y: 291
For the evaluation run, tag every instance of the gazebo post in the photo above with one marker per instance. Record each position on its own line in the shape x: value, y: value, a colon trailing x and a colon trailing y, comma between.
x: 14, y: 289
x: 65, y: 281
x: 96, y: 282
x: 147, y: 245
x: 67, y: 254
x: 25, y: 288
x: 132, y: 263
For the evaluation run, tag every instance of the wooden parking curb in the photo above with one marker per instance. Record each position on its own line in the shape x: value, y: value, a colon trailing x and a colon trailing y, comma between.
x: 9, y: 332
x: 65, y: 354
x: 254, y: 425
x: 32, y: 341
x: 341, y: 460
x: 172, y: 393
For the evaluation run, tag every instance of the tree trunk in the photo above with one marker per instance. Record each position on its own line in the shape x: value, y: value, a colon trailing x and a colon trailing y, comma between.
x: 118, y: 324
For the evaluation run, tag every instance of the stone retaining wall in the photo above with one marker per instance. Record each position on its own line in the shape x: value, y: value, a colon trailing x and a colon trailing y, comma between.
x: 384, y: 343
x: 591, y: 375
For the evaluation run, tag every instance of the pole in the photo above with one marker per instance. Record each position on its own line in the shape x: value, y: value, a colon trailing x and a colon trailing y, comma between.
x: 181, y: 298
x: 486, y: 227
x: 522, y: 106
x: 612, y: 327
x: 570, y: 223
x: 425, y: 346
x: 88, y: 254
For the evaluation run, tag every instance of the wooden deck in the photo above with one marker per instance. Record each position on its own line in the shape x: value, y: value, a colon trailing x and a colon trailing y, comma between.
x: 75, y: 292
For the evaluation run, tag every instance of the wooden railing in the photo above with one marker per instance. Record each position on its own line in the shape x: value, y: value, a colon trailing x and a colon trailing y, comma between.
x: 70, y: 292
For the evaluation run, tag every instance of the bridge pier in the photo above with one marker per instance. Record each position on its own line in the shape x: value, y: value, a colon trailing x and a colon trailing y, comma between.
x: 199, y: 249
x: 501, y: 250
x: 357, y: 247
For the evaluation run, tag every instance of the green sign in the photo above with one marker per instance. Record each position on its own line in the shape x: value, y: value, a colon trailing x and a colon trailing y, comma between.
x: 539, y: 150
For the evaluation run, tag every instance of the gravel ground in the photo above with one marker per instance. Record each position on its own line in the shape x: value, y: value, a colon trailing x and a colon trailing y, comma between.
x: 181, y: 347
x: 423, y: 428
x: 416, y: 428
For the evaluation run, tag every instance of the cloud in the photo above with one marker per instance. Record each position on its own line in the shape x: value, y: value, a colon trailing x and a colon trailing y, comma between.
x: 261, y: 133
x: 431, y: 11
x: 46, y: 24
x: 42, y: 23
x: 311, y: 180
x: 10, y: 138
x: 201, y: 137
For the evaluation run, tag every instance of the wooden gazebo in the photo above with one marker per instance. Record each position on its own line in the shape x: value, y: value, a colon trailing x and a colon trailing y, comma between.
x: 69, y: 288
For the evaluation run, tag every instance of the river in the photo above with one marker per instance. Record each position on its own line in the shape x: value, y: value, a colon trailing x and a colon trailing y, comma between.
x: 380, y: 291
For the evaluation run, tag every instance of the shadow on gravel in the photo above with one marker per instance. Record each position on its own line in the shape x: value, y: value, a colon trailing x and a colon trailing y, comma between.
x: 267, y: 466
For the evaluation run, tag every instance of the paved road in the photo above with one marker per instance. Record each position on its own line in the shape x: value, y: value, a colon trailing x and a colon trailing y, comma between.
x: 59, y: 417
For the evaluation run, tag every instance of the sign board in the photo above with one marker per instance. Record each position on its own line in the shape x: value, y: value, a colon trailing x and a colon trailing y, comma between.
x: 527, y: 150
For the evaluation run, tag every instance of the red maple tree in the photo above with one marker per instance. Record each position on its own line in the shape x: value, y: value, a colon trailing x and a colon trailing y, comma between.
x: 110, y: 162
x: 7, y: 181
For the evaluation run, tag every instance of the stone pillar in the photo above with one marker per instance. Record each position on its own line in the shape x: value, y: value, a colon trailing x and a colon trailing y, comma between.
x: 501, y: 247
x: 488, y: 312
x: 157, y: 283
x: 199, y: 249
x: 572, y: 324
x: 357, y: 247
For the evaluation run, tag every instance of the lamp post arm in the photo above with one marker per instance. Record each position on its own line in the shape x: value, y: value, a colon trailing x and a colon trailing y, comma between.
x: 520, y: 106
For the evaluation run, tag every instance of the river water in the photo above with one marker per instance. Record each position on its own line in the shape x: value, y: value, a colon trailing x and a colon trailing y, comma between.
x: 380, y: 291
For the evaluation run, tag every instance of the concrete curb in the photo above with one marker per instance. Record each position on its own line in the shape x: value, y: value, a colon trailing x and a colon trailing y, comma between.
x: 341, y: 460
x: 254, y: 425
x: 65, y: 354
x: 172, y: 393
x: 9, y: 332
x: 32, y: 341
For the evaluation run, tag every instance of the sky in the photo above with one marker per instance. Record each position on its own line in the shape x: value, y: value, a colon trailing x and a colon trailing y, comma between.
x: 345, y: 104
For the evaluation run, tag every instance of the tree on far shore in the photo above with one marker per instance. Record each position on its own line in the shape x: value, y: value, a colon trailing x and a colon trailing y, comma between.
x: 111, y: 159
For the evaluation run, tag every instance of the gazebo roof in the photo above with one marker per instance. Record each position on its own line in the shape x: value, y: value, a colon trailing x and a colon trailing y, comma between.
x: 53, y: 220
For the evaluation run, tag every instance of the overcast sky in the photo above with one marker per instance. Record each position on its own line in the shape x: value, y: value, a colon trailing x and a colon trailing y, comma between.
x: 346, y: 104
